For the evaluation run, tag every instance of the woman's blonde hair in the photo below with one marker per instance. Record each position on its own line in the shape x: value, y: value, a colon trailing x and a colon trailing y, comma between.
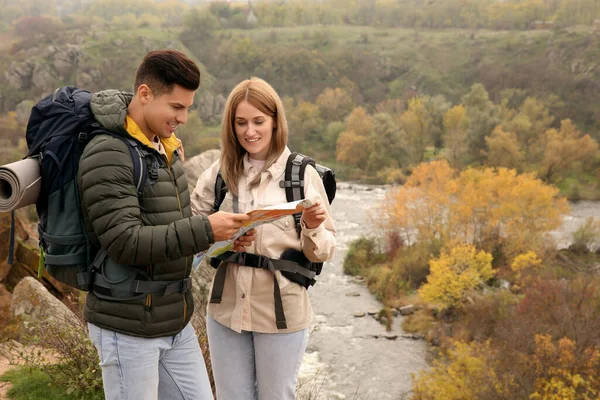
x: 262, y: 96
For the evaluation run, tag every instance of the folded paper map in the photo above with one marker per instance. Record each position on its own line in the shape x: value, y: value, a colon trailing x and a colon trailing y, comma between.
x: 257, y: 217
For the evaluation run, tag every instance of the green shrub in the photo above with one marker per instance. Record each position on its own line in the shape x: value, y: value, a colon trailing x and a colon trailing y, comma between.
x: 411, y: 265
x: 362, y: 253
x: 65, y: 338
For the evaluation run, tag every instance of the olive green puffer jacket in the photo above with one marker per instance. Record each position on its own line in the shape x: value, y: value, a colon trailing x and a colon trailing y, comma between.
x: 155, y: 234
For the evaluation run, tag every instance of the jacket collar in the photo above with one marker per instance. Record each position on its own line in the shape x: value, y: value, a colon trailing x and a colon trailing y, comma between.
x: 276, y: 169
x: 110, y: 110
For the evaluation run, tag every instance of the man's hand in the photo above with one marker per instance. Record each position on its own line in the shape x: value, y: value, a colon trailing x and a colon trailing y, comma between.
x: 225, y: 225
x: 244, y: 241
x: 314, y: 216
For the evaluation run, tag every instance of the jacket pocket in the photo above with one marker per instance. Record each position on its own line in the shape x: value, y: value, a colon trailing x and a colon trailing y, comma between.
x: 286, y: 223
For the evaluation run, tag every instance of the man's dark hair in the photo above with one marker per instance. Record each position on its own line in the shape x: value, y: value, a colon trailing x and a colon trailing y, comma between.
x: 163, y: 69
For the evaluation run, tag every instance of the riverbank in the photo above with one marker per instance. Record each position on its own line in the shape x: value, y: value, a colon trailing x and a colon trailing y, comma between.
x: 351, y: 356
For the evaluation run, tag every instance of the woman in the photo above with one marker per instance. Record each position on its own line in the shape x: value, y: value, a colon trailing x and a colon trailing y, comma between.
x: 254, y: 355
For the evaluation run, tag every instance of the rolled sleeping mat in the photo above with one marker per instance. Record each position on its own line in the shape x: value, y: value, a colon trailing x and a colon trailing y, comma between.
x: 20, y: 184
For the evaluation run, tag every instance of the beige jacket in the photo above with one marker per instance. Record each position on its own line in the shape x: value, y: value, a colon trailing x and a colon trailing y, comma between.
x: 247, y: 302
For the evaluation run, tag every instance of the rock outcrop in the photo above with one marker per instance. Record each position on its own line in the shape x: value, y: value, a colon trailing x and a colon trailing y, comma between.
x: 31, y: 300
x: 197, y: 164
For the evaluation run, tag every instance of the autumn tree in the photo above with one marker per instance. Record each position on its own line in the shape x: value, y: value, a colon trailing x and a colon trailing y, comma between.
x: 419, y: 209
x: 564, y: 373
x: 334, y: 104
x: 504, y: 150
x: 488, y: 208
x: 483, y: 118
x: 436, y: 107
x: 385, y: 145
x: 565, y: 149
x: 353, y: 144
x: 529, y: 123
x: 353, y: 149
x: 416, y: 130
x: 525, y: 262
x: 306, y: 128
x: 468, y: 371
x: 456, y: 125
x: 456, y: 274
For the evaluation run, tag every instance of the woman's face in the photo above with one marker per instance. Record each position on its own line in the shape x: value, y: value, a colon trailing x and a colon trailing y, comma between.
x: 254, y: 130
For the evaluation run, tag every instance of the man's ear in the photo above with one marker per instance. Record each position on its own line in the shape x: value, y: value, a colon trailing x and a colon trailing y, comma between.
x: 144, y: 93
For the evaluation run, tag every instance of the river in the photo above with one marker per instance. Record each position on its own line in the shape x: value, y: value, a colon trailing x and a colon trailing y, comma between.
x: 352, y: 357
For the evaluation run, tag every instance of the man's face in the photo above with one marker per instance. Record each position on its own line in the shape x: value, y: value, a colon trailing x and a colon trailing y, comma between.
x: 164, y: 112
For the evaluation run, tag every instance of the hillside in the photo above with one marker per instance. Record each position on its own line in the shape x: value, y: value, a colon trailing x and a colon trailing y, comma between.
x: 379, y: 69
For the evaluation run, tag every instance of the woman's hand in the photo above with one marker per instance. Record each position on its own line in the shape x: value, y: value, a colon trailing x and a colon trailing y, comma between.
x: 244, y: 241
x: 314, y: 216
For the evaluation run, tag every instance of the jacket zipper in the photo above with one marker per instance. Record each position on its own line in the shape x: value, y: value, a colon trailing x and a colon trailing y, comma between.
x: 149, y: 295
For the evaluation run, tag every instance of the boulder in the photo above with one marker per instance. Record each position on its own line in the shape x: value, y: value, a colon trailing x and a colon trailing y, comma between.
x: 200, y: 289
x: 66, y: 59
x: 31, y: 300
x: 23, y: 111
x: 19, y: 74
x: 197, y: 164
x: 44, y: 77
x: 211, y: 106
x: 407, y: 310
x: 4, y: 304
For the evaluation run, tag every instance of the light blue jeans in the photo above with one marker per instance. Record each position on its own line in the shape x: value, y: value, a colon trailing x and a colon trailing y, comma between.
x: 251, y: 365
x: 167, y: 368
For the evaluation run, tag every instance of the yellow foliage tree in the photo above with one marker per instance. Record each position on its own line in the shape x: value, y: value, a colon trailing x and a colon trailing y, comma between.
x: 504, y: 149
x: 467, y: 373
x: 335, y: 104
x: 484, y: 207
x: 432, y: 187
x: 525, y: 261
x: 455, y: 136
x: 565, y: 148
x: 360, y: 122
x: 503, y: 207
x: 353, y: 149
x: 562, y: 374
x: 453, y: 276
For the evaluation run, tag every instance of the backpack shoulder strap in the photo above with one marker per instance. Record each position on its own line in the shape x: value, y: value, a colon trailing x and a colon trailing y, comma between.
x: 140, y: 169
x: 294, y: 176
x: 220, y: 192
x: 294, y: 181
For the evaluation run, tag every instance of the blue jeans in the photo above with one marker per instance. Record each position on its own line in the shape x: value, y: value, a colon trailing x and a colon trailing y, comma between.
x: 136, y: 368
x: 251, y: 365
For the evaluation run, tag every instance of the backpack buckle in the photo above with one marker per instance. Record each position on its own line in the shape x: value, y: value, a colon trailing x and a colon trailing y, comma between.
x: 82, y: 137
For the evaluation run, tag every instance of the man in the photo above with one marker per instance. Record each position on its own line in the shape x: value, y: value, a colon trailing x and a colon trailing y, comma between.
x: 139, y: 310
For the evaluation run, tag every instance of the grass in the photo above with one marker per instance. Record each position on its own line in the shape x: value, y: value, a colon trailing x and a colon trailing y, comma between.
x: 34, y: 384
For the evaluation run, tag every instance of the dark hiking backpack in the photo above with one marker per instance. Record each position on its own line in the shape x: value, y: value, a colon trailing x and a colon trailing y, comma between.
x: 292, y: 264
x: 58, y: 129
